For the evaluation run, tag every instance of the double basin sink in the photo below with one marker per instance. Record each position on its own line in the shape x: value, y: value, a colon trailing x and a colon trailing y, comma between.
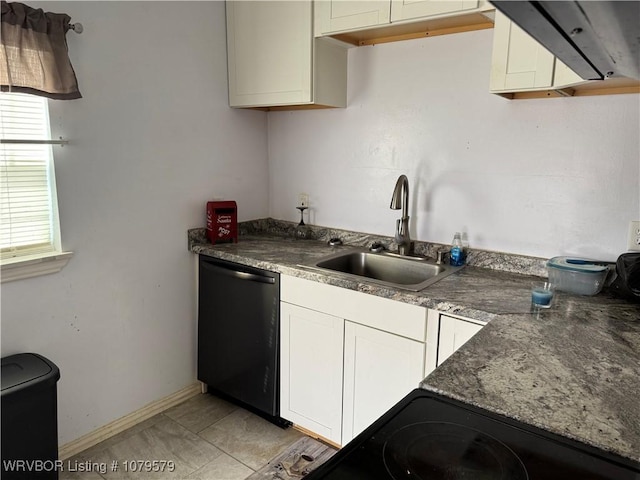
x: 393, y: 270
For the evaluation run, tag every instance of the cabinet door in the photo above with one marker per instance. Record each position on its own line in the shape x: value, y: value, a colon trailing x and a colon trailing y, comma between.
x: 454, y: 333
x: 269, y: 46
x: 379, y: 369
x: 343, y: 15
x: 518, y: 61
x: 311, y: 370
x: 410, y: 9
x: 563, y: 76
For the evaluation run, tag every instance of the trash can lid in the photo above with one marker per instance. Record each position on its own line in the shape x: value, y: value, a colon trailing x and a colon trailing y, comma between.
x: 24, y: 367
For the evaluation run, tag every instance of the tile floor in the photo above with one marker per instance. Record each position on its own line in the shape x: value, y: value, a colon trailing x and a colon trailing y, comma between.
x: 206, y: 437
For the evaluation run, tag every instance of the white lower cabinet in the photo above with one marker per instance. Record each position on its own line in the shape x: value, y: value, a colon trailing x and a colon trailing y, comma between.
x: 379, y: 369
x: 454, y: 332
x: 311, y: 370
x: 346, y: 357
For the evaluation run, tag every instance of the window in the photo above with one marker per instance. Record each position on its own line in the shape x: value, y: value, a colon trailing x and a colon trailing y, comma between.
x: 29, y: 227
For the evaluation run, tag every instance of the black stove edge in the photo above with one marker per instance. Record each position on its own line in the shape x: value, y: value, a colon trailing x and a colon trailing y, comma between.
x: 328, y: 466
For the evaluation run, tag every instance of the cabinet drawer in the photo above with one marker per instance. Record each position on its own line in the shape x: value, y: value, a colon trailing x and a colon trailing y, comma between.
x: 376, y: 312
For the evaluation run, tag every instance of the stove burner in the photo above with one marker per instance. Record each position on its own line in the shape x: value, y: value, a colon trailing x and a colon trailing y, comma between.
x: 448, y: 451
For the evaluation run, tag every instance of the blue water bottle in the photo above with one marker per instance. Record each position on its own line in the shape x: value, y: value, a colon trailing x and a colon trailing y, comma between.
x: 456, y: 255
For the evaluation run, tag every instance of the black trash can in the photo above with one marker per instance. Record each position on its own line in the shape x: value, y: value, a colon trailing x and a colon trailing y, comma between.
x: 29, y: 417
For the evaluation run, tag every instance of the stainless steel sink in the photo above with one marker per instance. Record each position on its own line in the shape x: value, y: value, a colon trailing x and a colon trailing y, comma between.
x: 410, y: 273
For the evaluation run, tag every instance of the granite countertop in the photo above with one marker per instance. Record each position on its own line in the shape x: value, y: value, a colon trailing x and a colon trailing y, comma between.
x: 573, y: 369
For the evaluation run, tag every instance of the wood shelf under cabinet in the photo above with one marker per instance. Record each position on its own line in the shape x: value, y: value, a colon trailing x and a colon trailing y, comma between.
x: 407, y: 31
x: 613, y: 86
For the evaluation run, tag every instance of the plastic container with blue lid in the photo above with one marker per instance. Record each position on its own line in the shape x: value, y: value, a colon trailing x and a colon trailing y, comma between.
x: 577, y: 275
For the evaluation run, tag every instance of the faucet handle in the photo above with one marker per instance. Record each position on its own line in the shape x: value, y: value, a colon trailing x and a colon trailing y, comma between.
x: 440, y: 256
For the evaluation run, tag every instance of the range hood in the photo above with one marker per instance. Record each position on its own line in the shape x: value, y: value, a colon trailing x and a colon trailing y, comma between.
x: 596, y: 39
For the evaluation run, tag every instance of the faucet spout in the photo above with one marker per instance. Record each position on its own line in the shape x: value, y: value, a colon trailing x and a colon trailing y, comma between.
x: 400, y: 201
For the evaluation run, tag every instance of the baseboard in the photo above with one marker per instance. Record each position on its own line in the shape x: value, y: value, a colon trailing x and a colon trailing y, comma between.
x: 320, y: 438
x: 121, y: 424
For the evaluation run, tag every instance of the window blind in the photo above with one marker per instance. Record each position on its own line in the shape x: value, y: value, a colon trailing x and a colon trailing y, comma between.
x: 26, y: 178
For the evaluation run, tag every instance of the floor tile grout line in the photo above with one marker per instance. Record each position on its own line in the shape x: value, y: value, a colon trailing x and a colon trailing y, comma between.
x: 240, y: 461
x: 126, y: 434
x: 178, y: 424
x: 209, y: 442
x: 228, y: 454
x: 189, y: 473
x: 217, y: 421
x: 237, y: 407
x: 175, y: 421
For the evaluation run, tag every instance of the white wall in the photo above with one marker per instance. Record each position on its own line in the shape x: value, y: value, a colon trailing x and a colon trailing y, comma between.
x: 539, y: 177
x: 152, y: 140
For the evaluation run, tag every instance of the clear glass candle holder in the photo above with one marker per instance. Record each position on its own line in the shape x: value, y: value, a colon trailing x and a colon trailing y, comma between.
x: 542, y: 294
x: 302, y: 231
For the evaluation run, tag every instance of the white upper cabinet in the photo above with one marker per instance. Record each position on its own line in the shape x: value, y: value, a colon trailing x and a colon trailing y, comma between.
x: 274, y: 60
x: 564, y: 76
x: 397, y: 19
x: 411, y: 9
x: 520, y: 63
x: 344, y: 15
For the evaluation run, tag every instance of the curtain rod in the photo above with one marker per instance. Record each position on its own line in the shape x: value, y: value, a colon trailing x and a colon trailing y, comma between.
x: 33, y: 142
x: 76, y: 27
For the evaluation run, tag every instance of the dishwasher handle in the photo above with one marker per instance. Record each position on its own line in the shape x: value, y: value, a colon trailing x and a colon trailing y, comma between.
x: 240, y: 275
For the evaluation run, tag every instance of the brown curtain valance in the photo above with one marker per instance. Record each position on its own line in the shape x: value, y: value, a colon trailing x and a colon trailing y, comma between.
x: 34, y: 55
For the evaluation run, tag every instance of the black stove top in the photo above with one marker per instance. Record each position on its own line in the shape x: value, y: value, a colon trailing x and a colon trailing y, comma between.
x: 430, y: 437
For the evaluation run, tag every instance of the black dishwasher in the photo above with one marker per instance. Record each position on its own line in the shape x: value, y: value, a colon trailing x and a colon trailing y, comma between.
x: 239, y: 334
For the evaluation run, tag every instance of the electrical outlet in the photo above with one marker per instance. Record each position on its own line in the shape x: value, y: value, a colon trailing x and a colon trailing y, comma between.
x: 303, y: 200
x: 634, y: 236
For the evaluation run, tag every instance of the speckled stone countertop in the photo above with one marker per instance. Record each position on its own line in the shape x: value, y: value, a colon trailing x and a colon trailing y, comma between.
x: 573, y: 370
